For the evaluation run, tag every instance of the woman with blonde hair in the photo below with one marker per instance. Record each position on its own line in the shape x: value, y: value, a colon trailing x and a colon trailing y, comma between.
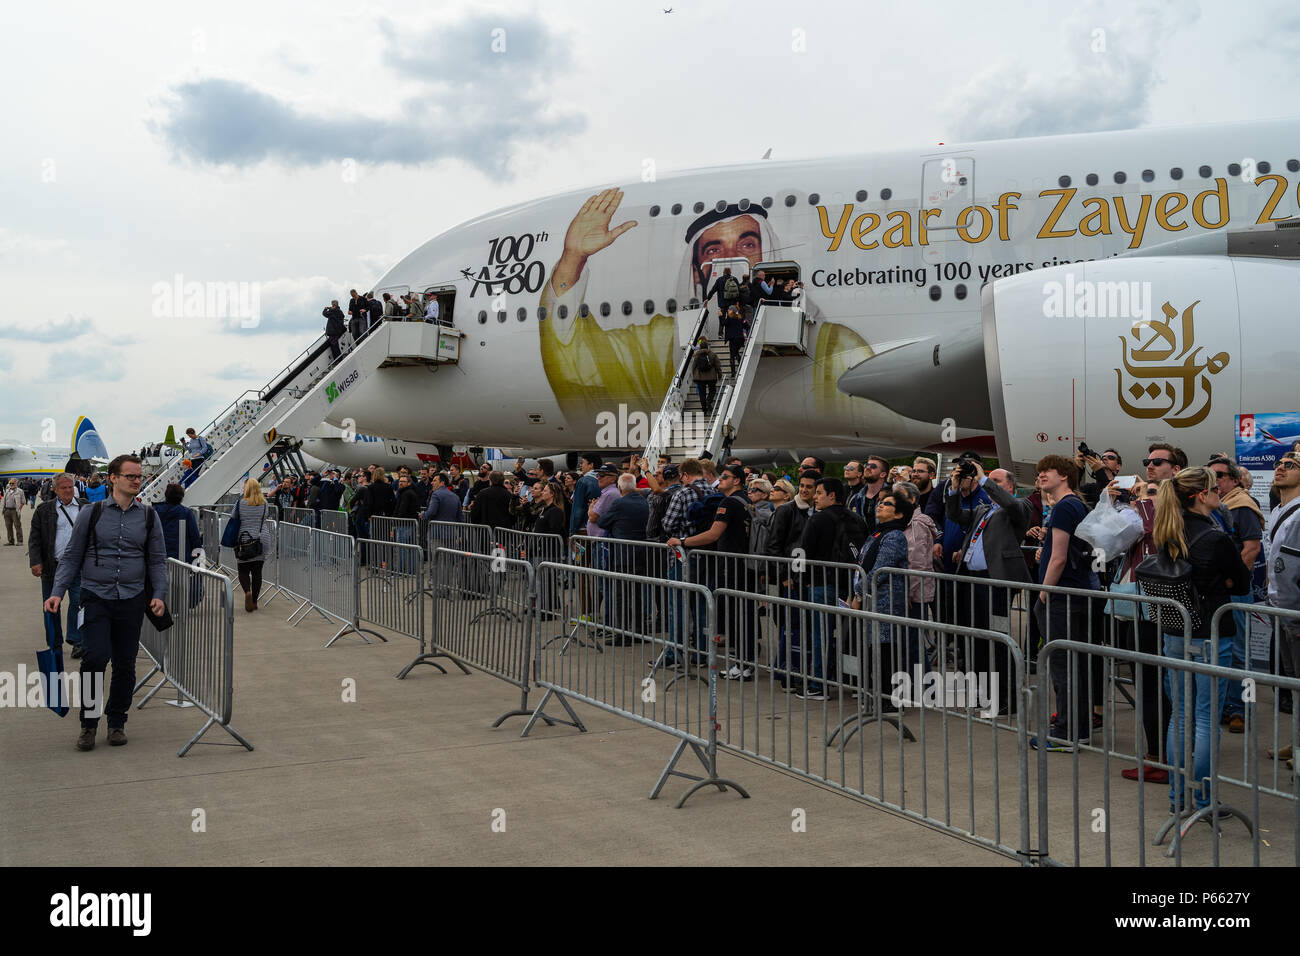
x: 1185, y: 530
x: 254, y: 542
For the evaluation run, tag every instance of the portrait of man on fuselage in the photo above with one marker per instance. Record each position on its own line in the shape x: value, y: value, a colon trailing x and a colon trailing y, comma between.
x: 594, y: 363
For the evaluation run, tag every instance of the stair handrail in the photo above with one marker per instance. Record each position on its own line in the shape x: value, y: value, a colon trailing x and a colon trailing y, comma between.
x: 675, y: 399
x: 730, y: 406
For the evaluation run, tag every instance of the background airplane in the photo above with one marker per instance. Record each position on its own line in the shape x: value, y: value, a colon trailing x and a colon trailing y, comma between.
x: 20, y: 460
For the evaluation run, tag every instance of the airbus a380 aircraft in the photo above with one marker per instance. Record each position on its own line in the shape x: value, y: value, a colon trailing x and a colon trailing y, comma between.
x: 1017, y: 296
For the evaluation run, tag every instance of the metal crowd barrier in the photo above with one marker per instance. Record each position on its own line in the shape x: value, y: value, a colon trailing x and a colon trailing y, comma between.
x: 294, y: 573
x: 335, y: 521
x: 472, y: 629
x: 333, y: 583
x: 402, y: 530
x: 454, y: 536
x: 210, y: 526
x: 854, y: 670
x: 271, y: 566
x: 570, y: 667
x: 390, y: 590
x: 1088, y: 815
x: 302, y: 516
x: 198, y: 650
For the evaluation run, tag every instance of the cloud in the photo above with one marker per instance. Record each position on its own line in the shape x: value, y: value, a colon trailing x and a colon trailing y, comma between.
x: 238, y: 370
x: 58, y: 330
x: 289, y: 306
x: 21, y: 242
x: 1108, y: 70
x: 88, y: 366
x: 479, y: 100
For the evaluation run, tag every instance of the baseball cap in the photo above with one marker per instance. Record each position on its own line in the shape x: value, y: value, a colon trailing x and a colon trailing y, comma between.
x: 609, y: 468
x: 671, y: 473
x: 735, y: 471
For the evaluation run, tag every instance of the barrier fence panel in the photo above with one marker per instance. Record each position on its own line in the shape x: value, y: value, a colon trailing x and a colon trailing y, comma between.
x: 1077, y: 793
x: 294, y: 551
x: 1238, y: 697
x: 335, y: 521
x: 302, y: 516
x: 334, y: 582
x: 455, y: 536
x: 390, y: 588
x: 210, y: 526
x: 402, y: 530
x: 198, y: 656
x: 572, y: 664
x: 910, y: 738
x: 271, y: 566
x: 601, y: 602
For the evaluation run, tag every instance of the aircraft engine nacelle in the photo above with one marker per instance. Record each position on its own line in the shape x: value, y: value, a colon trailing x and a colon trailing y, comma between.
x: 1125, y: 352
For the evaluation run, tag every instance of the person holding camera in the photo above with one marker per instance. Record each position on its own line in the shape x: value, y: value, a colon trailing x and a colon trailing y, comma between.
x: 1104, y: 468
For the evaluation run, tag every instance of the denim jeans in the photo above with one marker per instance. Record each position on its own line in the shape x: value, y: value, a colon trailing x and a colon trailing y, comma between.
x: 1232, y: 702
x: 407, y: 561
x: 820, y: 595
x: 72, y: 633
x: 1205, y: 733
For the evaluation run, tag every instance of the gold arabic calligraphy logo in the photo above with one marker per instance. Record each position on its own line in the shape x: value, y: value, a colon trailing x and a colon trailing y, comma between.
x: 1173, y: 358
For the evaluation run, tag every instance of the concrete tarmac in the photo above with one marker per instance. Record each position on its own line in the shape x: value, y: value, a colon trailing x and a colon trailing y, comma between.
x: 409, y: 774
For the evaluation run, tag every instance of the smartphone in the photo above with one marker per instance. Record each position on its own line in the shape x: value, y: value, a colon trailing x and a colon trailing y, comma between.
x: 1126, y: 483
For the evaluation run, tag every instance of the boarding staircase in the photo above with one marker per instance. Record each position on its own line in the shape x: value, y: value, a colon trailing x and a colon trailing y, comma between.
x: 267, y: 425
x: 683, y: 428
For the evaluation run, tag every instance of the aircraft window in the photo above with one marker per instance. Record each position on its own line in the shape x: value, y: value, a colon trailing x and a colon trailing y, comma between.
x: 654, y: 211
x: 1176, y: 173
x: 861, y: 195
x: 1063, y: 182
x: 482, y: 318
x: 1148, y: 175
x: 790, y: 200
x: 960, y: 292
x: 672, y: 306
x: 720, y: 205
x: 501, y: 316
x: 522, y: 314
x: 767, y: 200
x: 1090, y: 179
x: 935, y: 293
x: 699, y: 207
x: 584, y: 311
x: 886, y: 193
x: 743, y: 205
x: 604, y: 309
x: 1206, y: 172
x: 649, y: 307
x: 541, y: 313
x: 1293, y: 165
x: 1234, y: 169
x: 677, y: 208
x: 1264, y: 166
x: 563, y: 312
x: 814, y: 198
x: 1120, y: 178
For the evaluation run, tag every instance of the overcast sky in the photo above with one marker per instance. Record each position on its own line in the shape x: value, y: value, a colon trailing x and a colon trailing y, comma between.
x: 306, y: 152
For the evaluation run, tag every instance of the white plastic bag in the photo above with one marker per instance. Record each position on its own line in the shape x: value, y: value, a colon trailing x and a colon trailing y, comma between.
x: 1110, y: 530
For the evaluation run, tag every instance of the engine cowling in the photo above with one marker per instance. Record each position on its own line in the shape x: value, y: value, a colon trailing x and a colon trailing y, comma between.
x: 1125, y: 352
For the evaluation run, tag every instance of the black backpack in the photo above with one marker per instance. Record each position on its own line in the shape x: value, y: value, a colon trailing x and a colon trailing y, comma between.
x: 706, y: 362
x: 730, y: 288
x: 702, y: 513
x: 1159, y: 575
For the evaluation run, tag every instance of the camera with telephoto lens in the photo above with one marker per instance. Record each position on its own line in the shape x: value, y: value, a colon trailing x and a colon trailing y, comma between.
x: 965, y: 469
x: 1086, y: 451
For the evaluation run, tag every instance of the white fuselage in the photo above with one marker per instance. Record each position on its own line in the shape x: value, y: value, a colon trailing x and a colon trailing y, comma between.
x: 877, y: 243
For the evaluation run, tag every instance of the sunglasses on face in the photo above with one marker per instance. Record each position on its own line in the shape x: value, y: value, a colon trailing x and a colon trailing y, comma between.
x: 1288, y: 465
x: 1157, y: 461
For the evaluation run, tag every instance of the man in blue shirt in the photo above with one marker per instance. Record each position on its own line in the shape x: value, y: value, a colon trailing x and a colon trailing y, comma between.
x: 585, y: 492
x: 123, y: 556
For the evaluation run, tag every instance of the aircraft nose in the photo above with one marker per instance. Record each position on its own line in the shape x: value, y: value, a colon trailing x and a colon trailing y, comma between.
x: 930, y: 378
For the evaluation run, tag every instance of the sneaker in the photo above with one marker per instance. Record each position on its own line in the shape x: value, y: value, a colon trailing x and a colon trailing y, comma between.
x: 808, y: 693
x: 86, y: 740
x: 1237, y: 724
x: 1096, y: 721
x: 77, y: 651
x: 116, y: 736
x: 732, y: 672
x: 1053, y: 746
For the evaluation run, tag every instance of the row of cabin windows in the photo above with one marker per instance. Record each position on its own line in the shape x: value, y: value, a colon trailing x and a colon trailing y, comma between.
x: 1092, y: 179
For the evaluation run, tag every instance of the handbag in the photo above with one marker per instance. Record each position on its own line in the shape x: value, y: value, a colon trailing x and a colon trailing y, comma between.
x: 1123, y: 610
x: 249, y: 547
x: 230, y: 536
